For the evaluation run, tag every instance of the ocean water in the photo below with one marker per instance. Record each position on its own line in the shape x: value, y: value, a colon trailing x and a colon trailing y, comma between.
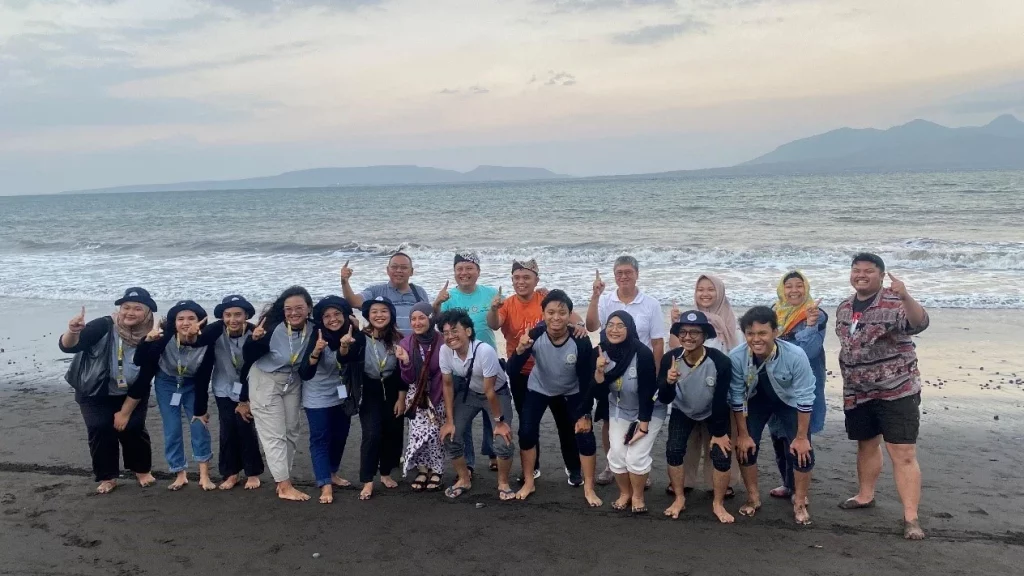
x: 957, y: 239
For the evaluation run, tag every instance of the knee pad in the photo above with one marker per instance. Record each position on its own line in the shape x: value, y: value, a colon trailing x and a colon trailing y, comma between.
x: 791, y: 458
x: 586, y: 443
x: 721, y: 460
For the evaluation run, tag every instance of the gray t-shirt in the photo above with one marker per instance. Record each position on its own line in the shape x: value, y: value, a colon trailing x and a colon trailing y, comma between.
x: 403, y: 301
x: 554, y: 370
x: 486, y: 365
x: 695, y: 389
x: 378, y: 361
x: 285, y: 350
x: 188, y: 357
x: 321, y: 391
x: 227, y: 365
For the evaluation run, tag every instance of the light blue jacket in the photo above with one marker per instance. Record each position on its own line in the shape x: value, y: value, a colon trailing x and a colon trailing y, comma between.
x: 789, y: 372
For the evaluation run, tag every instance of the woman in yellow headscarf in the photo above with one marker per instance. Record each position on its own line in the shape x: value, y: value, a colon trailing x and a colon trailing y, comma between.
x: 803, y: 324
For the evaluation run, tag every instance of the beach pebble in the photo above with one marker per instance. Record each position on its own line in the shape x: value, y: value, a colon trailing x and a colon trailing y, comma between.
x: 316, y: 554
x: 480, y: 505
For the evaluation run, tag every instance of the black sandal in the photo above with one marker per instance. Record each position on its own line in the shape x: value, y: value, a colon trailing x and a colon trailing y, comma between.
x: 434, y: 482
x: 418, y: 481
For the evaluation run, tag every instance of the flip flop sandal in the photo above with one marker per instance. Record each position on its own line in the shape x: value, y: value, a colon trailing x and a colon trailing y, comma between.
x: 506, y: 495
x: 453, y: 492
x: 433, y: 483
x: 619, y: 507
x: 852, y: 504
x: 493, y: 466
x: 418, y: 482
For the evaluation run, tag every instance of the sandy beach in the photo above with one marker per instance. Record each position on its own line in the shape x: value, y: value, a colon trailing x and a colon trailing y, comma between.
x: 973, y: 502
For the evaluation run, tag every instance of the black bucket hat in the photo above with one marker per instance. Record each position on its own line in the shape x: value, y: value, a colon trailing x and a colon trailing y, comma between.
x: 380, y: 300
x: 332, y: 301
x: 138, y: 295
x: 234, y: 301
x: 694, y: 318
x: 183, y: 305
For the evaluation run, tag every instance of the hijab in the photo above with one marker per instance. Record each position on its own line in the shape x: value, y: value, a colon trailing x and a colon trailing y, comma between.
x: 333, y: 337
x: 623, y: 352
x: 131, y: 336
x: 788, y: 315
x: 423, y: 340
x: 720, y: 312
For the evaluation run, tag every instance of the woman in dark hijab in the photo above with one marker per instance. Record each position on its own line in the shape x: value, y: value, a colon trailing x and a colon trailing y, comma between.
x: 419, y: 359
x: 625, y: 371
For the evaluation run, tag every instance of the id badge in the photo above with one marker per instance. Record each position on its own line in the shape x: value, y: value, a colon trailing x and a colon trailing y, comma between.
x: 176, y: 399
x: 342, y: 392
x: 122, y: 383
x: 236, y: 388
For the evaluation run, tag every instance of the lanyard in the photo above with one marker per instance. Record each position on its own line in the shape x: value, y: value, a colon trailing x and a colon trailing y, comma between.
x: 294, y: 356
x: 121, y: 382
x: 181, y: 369
x: 376, y: 357
x: 233, y: 347
x: 753, y: 376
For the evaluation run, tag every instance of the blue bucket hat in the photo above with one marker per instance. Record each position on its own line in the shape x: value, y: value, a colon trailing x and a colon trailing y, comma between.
x: 694, y: 318
x: 138, y: 295
x: 183, y: 305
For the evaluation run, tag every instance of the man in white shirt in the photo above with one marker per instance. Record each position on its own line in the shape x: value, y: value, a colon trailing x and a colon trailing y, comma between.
x: 650, y: 327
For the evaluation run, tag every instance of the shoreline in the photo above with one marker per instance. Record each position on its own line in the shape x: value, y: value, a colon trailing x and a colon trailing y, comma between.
x: 971, y: 508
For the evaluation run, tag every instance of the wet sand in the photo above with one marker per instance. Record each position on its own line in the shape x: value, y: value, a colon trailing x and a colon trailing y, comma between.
x: 973, y: 500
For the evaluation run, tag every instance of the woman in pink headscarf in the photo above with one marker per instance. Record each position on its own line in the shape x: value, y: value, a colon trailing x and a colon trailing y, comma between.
x: 709, y: 297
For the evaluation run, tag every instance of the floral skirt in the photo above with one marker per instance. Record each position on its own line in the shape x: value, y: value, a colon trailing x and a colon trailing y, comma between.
x: 424, y: 447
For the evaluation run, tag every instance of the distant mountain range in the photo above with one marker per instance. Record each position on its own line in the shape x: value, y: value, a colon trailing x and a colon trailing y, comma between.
x: 917, y: 146
x: 364, y: 176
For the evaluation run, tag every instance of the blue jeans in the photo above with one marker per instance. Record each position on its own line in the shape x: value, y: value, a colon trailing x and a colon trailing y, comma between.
x: 174, y: 437
x: 759, y: 412
x: 488, y: 447
x: 328, y: 432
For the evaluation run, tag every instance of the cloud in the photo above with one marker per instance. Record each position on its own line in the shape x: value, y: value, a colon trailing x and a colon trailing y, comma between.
x: 651, y: 35
x: 583, y: 5
x: 559, y: 79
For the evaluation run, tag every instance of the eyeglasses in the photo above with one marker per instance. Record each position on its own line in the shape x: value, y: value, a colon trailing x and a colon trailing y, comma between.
x: 615, y: 326
x: 691, y: 333
x: 450, y: 333
x: 399, y: 268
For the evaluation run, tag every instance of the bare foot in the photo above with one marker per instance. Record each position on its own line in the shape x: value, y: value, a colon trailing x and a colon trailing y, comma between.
x: 252, y: 482
x: 106, y: 487
x: 527, y: 489
x: 367, y: 491
x: 206, y: 484
x: 723, y: 515
x: 801, y: 515
x: 622, y: 502
x: 780, y: 492
x: 676, y: 508
x: 326, y: 494
x: 145, y: 479
x: 592, y: 498
x: 750, y: 508
x: 179, y: 482
x: 229, y: 482
x: 289, y: 492
x: 912, y: 530
x: 388, y: 482
x: 339, y: 481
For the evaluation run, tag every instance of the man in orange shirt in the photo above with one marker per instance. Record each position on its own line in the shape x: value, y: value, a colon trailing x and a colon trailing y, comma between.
x: 515, y: 316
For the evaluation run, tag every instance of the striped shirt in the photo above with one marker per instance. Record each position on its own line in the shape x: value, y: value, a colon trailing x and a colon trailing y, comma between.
x: 877, y: 358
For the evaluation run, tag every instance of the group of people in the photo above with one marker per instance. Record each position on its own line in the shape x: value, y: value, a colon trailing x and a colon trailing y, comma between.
x: 406, y: 360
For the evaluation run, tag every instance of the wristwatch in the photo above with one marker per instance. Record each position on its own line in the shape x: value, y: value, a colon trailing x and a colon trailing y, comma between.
x: 499, y: 419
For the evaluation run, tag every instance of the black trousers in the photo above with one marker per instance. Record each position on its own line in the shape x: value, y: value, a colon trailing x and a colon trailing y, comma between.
x: 382, y: 433
x: 105, y: 442
x: 517, y: 384
x: 239, y: 445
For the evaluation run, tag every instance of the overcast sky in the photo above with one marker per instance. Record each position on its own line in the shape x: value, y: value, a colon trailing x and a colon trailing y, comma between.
x: 106, y: 92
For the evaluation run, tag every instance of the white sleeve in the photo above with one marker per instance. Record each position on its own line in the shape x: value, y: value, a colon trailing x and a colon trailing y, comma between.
x: 445, y: 359
x: 603, y: 309
x: 657, y: 321
x: 487, y: 358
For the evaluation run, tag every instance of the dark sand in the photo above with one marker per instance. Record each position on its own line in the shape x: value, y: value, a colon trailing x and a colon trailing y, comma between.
x: 972, y: 507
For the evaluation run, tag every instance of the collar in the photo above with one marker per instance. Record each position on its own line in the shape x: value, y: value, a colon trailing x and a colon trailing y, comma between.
x: 614, y: 296
x: 469, y: 353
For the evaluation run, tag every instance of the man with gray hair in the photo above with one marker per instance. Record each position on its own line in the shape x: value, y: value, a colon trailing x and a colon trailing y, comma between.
x: 650, y: 327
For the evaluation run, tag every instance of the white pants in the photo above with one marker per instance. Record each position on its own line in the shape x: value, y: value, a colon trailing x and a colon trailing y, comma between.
x: 634, y: 458
x: 276, y: 412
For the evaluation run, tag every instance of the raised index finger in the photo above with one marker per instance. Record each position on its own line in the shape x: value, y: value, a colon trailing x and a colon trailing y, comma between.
x: 262, y: 322
x: 83, y: 312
